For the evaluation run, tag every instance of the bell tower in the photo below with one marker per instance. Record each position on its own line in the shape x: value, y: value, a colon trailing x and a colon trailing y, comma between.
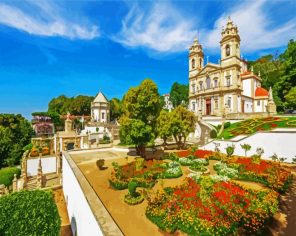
x: 230, y: 43
x: 196, y: 58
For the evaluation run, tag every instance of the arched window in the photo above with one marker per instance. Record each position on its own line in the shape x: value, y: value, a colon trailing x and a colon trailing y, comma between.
x: 192, y: 63
x: 227, y: 50
x: 208, y: 82
x: 200, y: 62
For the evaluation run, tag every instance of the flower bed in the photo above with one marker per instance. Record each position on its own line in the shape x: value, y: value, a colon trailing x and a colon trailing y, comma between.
x: 197, y: 153
x: 146, y: 175
x: 268, y: 173
x: 208, y: 207
x: 251, y: 126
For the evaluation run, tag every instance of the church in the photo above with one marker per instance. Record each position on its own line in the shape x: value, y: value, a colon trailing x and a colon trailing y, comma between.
x: 227, y: 87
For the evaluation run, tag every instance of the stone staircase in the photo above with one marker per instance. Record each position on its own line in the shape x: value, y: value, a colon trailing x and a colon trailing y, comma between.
x: 205, y: 132
x: 31, y: 183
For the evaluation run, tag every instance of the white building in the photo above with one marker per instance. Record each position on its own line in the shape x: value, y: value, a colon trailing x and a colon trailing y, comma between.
x: 100, y: 110
x: 167, y: 102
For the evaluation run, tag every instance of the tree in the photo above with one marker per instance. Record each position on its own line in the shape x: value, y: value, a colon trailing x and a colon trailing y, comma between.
x: 15, y: 133
x: 115, y: 109
x: 179, y: 94
x: 246, y: 147
x: 141, y: 108
x: 163, y: 126
x: 291, y: 98
x: 80, y: 105
x: 230, y: 150
x: 182, y: 123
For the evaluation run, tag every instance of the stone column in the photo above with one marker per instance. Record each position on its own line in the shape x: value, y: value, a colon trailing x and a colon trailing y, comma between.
x: 39, y: 174
x: 14, y: 183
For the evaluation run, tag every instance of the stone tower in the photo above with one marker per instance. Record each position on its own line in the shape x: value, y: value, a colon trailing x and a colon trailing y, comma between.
x: 230, y: 44
x: 196, y: 58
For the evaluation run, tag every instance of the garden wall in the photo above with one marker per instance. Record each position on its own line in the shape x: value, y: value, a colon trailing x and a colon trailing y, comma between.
x: 86, y: 212
x: 49, y: 165
x: 281, y: 143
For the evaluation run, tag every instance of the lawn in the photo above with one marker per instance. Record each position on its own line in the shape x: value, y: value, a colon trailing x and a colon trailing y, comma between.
x: 251, y: 126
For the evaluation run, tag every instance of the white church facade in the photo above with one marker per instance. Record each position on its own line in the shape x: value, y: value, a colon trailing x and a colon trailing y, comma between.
x: 226, y: 87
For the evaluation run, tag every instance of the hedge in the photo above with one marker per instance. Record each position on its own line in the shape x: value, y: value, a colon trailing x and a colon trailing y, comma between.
x: 7, y: 174
x: 29, y: 213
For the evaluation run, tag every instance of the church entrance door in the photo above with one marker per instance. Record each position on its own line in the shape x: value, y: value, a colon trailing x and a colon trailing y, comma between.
x: 243, y: 106
x: 208, y: 107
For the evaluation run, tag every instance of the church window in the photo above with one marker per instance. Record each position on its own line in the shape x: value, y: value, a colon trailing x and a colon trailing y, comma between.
x: 216, y: 103
x: 200, y: 84
x: 103, y: 116
x: 258, y: 103
x: 193, y: 106
x: 227, y: 50
x: 200, y: 62
x: 229, y: 102
x: 216, y: 83
x: 228, y: 81
x: 193, y: 88
x: 208, y: 82
x: 192, y: 63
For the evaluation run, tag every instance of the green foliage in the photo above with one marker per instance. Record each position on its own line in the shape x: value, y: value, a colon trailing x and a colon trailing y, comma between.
x: 163, y: 125
x: 7, y: 174
x: 15, y: 133
x: 179, y: 94
x: 182, y: 123
x: 132, y: 187
x: 213, y: 133
x: 291, y: 98
x: 230, y: 150
x: 79, y: 105
x: 129, y: 199
x: 278, y: 72
x: 227, y: 124
x: 141, y: 107
x: 246, y: 147
x: 115, y: 109
x: 29, y: 213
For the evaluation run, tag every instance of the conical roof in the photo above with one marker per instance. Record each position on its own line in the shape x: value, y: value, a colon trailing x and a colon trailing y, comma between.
x: 101, y: 98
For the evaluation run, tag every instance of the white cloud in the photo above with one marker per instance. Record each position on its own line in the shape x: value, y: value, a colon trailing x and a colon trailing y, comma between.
x: 161, y: 29
x: 254, y: 24
x: 49, y: 24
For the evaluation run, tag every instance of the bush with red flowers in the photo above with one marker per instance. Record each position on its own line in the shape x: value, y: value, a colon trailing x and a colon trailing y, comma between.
x: 210, y: 208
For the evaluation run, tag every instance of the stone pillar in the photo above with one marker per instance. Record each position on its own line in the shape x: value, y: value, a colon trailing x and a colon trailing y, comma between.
x: 14, y: 183
x: 39, y: 174
x: 235, y: 103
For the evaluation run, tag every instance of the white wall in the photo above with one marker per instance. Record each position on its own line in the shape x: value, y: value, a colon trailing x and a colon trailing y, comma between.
x: 49, y: 165
x: 79, y: 210
x: 283, y: 144
x: 247, y: 88
x: 248, y: 107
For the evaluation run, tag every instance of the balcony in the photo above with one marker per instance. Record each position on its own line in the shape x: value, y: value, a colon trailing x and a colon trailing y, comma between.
x: 216, y: 90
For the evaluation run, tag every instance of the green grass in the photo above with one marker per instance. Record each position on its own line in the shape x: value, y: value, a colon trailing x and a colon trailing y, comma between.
x: 7, y: 173
x: 251, y: 126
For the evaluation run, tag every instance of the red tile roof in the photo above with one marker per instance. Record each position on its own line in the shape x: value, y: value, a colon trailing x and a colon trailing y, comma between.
x: 261, y: 92
x: 246, y: 73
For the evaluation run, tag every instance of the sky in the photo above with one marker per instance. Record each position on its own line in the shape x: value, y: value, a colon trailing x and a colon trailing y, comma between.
x: 49, y: 48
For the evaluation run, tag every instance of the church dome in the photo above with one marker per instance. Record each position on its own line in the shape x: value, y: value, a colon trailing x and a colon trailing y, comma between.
x: 261, y: 92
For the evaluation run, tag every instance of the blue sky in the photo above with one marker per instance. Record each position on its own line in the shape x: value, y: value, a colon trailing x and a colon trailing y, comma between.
x: 49, y: 48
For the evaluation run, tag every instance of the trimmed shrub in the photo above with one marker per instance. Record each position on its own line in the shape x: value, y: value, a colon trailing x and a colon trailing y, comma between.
x: 227, y: 124
x: 29, y: 213
x: 7, y: 174
x: 213, y: 133
x: 132, y: 187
